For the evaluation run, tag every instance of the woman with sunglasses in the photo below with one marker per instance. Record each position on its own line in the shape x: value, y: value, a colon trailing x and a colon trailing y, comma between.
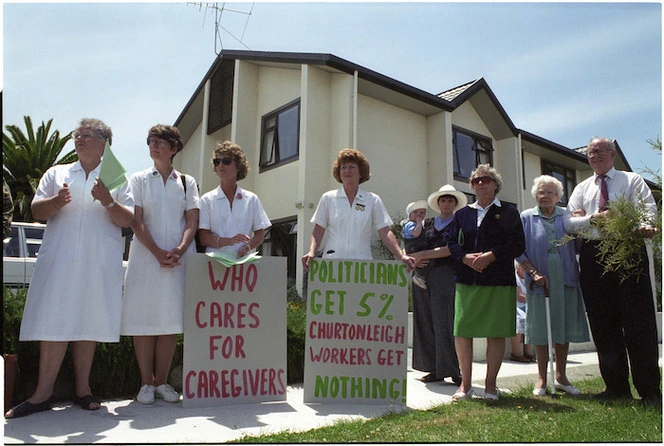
x: 232, y: 219
x: 165, y: 223
x: 486, y: 236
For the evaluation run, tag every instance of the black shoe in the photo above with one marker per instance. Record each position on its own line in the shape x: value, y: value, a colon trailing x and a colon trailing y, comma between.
x: 456, y: 380
x: 654, y: 401
x: 610, y: 395
x: 27, y: 408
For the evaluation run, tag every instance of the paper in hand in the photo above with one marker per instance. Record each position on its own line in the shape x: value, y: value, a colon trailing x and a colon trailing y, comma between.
x: 229, y: 259
x: 111, y: 173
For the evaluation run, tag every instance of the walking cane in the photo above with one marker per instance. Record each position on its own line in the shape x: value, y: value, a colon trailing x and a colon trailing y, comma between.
x: 550, y: 339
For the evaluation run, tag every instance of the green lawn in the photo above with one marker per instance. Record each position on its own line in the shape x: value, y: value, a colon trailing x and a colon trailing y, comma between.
x: 517, y: 417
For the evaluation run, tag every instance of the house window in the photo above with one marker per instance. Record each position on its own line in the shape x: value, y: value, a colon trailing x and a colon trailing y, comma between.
x: 280, y: 240
x: 565, y: 175
x: 221, y: 96
x: 280, y: 136
x: 470, y: 150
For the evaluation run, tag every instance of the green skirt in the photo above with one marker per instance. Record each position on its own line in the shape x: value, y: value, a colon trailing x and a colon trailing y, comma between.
x: 484, y: 311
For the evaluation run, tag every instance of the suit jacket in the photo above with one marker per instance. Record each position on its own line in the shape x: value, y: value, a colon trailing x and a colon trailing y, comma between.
x: 501, y: 232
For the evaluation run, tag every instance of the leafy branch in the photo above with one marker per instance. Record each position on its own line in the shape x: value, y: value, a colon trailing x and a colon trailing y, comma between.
x: 620, y: 246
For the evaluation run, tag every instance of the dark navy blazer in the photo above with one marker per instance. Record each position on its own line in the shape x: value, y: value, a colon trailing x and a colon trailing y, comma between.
x: 501, y: 232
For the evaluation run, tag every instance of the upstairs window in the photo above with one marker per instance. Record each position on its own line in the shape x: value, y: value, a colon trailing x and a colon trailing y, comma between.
x: 280, y: 136
x: 565, y: 175
x: 470, y: 150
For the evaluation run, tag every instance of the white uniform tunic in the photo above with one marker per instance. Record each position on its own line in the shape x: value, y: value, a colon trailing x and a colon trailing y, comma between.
x: 76, y: 289
x: 153, y: 301
x: 349, y: 229
x: 246, y: 216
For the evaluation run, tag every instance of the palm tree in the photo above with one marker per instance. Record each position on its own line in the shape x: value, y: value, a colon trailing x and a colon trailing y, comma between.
x: 26, y: 158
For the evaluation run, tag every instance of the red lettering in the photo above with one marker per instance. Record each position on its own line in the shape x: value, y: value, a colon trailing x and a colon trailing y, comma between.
x: 198, y: 314
x: 239, y: 277
x: 253, y: 306
x: 215, y: 315
x: 187, y: 384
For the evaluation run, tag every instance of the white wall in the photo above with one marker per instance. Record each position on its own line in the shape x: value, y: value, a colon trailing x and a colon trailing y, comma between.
x: 395, y: 142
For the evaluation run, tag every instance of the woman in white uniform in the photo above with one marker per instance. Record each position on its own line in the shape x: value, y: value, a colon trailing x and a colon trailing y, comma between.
x: 76, y: 290
x: 165, y: 223
x: 232, y: 219
x: 350, y: 215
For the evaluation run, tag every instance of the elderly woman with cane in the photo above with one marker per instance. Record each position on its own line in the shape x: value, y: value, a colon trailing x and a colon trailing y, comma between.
x: 552, y: 274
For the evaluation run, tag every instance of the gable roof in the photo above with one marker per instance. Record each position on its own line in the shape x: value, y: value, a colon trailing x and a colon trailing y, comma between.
x: 369, y: 78
x: 486, y: 104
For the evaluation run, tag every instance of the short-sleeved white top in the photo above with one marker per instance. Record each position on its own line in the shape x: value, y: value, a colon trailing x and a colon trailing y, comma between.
x: 76, y: 288
x: 164, y: 205
x: 246, y: 216
x: 349, y: 227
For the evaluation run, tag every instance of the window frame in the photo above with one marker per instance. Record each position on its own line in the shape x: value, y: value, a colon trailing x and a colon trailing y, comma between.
x: 569, y: 174
x: 477, y: 138
x: 273, y: 129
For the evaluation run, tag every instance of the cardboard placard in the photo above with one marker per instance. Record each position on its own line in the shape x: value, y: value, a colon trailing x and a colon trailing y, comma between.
x: 234, y: 332
x: 357, y: 320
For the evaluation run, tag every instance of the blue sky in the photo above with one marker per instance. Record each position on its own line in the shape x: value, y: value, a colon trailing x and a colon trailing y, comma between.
x: 563, y: 71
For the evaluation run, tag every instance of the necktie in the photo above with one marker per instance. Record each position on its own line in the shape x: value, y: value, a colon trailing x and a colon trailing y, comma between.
x: 603, y: 193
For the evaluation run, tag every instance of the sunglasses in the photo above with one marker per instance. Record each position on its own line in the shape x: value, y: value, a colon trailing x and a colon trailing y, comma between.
x: 225, y: 161
x: 477, y: 180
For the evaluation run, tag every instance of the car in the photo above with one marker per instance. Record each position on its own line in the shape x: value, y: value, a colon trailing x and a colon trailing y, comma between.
x: 20, y: 250
x: 19, y: 253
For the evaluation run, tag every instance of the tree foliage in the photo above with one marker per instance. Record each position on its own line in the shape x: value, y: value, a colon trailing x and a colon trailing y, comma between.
x: 26, y: 156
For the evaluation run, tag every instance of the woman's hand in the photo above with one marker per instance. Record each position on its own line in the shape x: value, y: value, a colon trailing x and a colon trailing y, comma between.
x: 420, y: 262
x: 63, y: 197
x: 166, y: 259
x: 99, y: 192
x: 479, y: 260
x: 539, y: 279
x: 305, y: 260
x: 243, y: 251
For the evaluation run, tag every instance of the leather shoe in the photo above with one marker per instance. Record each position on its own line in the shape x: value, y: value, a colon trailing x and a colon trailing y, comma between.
x: 652, y: 401
x: 609, y: 395
x: 568, y: 389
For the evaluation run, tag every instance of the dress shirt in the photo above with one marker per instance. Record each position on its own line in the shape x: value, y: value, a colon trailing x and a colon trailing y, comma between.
x: 587, y: 193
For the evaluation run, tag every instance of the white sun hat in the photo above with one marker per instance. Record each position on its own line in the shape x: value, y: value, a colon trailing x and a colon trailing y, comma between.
x: 448, y: 189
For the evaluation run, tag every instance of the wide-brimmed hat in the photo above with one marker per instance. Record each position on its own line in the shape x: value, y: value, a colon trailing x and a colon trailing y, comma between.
x: 419, y: 204
x: 448, y: 189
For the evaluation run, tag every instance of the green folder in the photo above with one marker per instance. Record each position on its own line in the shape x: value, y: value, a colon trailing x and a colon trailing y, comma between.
x: 229, y: 259
x: 112, y: 174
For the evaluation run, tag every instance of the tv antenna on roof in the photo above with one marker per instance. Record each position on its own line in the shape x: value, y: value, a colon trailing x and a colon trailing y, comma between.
x: 218, y: 27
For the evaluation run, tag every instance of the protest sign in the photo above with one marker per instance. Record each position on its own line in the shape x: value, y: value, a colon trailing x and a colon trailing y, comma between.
x: 234, y: 332
x: 356, y: 345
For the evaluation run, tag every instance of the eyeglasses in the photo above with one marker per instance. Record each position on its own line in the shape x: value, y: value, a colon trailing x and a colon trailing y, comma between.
x: 161, y: 143
x: 543, y: 192
x: 225, y: 161
x: 83, y: 135
x: 477, y: 180
x: 598, y: 152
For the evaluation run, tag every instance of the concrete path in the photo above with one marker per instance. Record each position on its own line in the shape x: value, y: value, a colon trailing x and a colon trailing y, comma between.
x: 125, y: 421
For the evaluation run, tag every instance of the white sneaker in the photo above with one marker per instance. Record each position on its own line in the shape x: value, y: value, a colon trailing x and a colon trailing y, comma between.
x: 167, y: 393
x: 419, y: 281
x: 146, y: 394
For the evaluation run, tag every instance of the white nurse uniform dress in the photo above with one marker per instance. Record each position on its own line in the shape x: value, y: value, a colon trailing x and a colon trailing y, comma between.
x: 76, y: 288
x: 349, y: 228
x: 153, y: 302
